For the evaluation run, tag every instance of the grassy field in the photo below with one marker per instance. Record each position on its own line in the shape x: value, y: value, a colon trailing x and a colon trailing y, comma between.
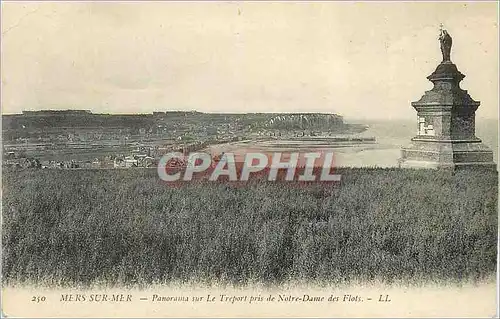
x: 68, y: 227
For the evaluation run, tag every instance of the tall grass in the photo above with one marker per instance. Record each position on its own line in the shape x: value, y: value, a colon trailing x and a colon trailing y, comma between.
x: 73, y: 227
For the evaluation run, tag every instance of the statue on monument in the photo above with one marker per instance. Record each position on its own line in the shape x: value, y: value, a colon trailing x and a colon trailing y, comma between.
x: 446, y: 42
x: 446, y: 136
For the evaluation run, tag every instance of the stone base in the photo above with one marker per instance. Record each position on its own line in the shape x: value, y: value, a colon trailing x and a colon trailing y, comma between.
x: 447, y: 154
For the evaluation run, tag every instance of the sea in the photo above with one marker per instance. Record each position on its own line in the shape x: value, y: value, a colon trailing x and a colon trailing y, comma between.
x: 392, y: 135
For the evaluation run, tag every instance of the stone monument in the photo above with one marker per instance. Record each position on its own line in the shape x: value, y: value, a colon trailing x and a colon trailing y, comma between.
x: 446, y: 122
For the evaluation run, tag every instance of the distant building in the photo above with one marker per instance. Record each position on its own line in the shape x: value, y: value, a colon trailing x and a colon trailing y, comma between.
x: 129, y: 161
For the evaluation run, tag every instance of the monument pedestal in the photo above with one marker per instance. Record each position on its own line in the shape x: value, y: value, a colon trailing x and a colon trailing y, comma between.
x: 446, y: 154
x: 446, y: 126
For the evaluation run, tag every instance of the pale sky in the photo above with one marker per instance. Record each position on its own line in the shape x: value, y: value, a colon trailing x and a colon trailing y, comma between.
x: 357, y: 59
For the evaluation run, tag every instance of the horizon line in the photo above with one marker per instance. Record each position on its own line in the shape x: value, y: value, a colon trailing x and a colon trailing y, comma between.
x: 221, y: 112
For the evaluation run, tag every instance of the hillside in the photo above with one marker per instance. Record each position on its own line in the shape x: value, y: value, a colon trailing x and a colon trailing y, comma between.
x: 46, y: 124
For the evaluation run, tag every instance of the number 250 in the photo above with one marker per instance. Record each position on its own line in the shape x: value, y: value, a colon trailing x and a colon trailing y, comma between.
x: 38, y: 299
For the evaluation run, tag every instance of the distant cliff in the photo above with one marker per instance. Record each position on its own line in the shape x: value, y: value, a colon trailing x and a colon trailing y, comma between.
x: 309, y: 121
x: 303, y: 121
